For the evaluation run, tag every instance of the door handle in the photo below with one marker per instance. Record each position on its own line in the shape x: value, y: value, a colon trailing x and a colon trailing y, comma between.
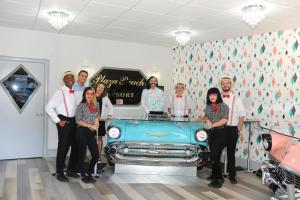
x: 39, y: 114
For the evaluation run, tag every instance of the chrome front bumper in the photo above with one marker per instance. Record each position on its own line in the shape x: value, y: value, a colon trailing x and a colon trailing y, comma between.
x: 276, y: 177
x: 269, y: 176
x: 156, y: 153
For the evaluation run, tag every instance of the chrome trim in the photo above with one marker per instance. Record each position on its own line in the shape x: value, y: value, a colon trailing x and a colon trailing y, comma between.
x: 158, y: 144
x: 158, y: 161
x: 156, y: 151
x: 193, y: 160
x: 290, y: 170
x: 269, y: 179
x: 120, y: 131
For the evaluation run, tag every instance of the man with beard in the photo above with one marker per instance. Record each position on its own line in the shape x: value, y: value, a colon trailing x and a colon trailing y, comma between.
x: 235, y: 122
x: 61, y: 110
x: 152, y: 97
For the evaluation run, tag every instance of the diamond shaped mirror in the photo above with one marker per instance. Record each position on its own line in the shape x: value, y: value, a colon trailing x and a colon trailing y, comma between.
x: 20, y: 86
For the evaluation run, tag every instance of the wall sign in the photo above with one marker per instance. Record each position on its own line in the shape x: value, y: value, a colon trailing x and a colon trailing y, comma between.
x: 124, y: 86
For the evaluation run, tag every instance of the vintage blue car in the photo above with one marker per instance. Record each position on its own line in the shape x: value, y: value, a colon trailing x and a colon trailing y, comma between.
x: 158, y: 141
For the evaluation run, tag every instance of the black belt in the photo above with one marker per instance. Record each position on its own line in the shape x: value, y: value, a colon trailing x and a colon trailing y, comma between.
x: 218, y: 127
x: 69, y: 119
x: 232, y: 126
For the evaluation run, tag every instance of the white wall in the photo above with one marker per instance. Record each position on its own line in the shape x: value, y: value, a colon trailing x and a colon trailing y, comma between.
x: 72, y: 52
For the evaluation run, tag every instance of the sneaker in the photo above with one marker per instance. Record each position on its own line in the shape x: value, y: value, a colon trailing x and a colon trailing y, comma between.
x: 62, y: 178
x: 72, y: 174
x: 233, y: 180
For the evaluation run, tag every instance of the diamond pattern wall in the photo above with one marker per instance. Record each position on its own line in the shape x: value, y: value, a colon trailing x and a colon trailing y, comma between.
x: 266, y: 71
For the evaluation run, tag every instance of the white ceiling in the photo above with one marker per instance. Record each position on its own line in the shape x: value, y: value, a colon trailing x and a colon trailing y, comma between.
x: 148, y: 21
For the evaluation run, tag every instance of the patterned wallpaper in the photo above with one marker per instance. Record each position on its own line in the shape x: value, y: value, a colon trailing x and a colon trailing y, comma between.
x: 266, y: 72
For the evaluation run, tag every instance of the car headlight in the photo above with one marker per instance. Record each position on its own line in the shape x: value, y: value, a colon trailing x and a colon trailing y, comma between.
x: 267, y: 141
x: 114, y: 132
x: 201, y: 135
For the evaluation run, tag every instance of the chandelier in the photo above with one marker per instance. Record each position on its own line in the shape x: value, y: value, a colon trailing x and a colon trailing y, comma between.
x: 253, y: 13
x: 58, y: 19
x: 183, y: 37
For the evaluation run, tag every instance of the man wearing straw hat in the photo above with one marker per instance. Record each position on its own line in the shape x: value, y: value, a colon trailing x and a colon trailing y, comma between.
x: 234, y: 124
x: 179, y: 104
x: 61, y: 110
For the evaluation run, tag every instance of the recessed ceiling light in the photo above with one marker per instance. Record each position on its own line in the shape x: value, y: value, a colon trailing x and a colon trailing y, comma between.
x: 58, y: 19
x: 253, y: 12
x: 183, y: 36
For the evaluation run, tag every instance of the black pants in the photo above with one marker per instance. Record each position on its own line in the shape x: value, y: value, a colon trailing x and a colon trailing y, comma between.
x: 87, y: 138
x: 66, y: 139
x: 232, y: 137
x: 217, y: 141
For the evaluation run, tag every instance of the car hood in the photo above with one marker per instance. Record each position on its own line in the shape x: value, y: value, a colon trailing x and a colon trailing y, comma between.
x: 157, y: 131
x: 280, y: 146
x: 291, y: 159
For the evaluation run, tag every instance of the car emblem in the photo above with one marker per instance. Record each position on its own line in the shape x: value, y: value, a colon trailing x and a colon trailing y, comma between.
x: 158, y: 134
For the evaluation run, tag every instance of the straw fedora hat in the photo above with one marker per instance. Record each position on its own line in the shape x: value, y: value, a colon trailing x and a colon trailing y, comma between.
x: 226, y: 78
x: 68, y: 72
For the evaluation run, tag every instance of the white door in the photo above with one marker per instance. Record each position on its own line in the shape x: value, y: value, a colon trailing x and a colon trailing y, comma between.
x: 22, y: 117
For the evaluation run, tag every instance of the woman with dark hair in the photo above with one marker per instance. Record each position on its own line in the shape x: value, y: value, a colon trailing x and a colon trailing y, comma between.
x: 105, y: 111
x: 87, y: 119
x: 152, y: 97
x: 216, y: 117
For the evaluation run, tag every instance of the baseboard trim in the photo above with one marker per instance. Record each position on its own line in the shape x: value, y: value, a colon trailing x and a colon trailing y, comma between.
x: 51, y: 153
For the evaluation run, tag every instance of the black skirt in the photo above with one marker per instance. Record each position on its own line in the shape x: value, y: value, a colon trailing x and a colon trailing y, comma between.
x: 101, y: 130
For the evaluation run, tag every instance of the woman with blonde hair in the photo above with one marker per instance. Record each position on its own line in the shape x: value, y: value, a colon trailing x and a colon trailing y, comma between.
x: 105, y: 112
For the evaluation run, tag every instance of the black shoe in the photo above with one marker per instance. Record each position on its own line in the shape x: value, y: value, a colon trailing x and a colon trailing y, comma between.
x: 233, y: 180
x: 62, y: 178
x: 216, y: 183
x: 92, y: 180
x: 72, y: 174
x: 88, y: 179
x: 210, y: 178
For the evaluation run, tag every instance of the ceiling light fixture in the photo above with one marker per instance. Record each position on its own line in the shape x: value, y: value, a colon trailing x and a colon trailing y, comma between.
x: 183, y: 37
x: 253, y: 12
x: 58, y: 19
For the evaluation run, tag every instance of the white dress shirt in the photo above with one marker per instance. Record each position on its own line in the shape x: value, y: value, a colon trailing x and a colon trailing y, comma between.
x: 57, y: 105
x: 238, y: 109
x: 179, y: 105
x: 107, y: 108
x: 152, y: 100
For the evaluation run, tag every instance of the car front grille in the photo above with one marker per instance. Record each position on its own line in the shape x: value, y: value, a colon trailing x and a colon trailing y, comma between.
x: 290, y: 178
x: 156, y: 150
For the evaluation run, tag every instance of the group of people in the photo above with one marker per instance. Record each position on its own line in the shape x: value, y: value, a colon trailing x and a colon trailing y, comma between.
x: 79, y: 114
x: 153, y: 99
x: 224, y: 118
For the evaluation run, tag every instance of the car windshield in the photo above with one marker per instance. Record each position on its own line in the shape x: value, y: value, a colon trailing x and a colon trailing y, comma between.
x: 156, y: 118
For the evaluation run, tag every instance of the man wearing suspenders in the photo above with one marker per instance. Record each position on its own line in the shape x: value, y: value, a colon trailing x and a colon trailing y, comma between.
x: 61, y: 109
x: 234, y: 124
x: 179, y: 104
